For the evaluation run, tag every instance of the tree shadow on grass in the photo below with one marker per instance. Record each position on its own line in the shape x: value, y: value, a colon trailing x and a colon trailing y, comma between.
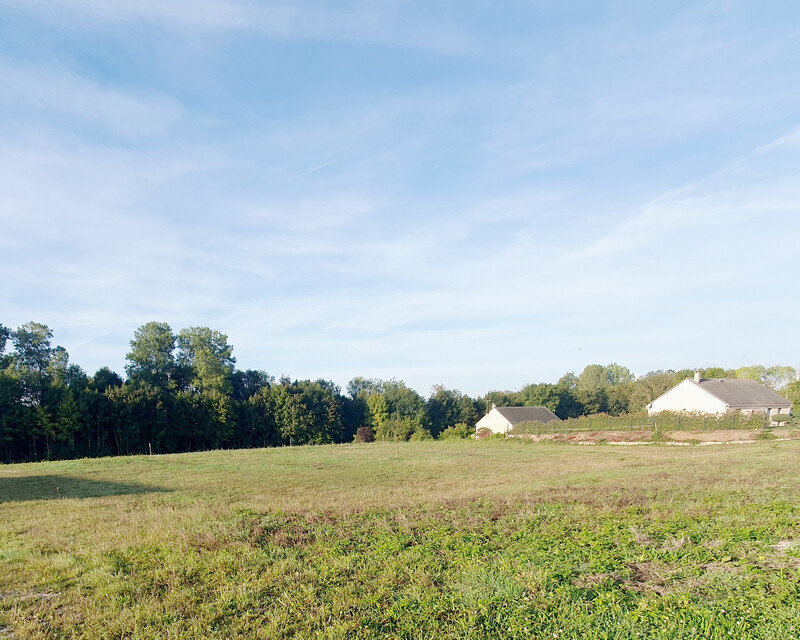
x: 56, y: 487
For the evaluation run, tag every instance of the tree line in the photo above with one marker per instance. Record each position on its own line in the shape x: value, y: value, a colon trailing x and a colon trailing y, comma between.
x: 182, y: 392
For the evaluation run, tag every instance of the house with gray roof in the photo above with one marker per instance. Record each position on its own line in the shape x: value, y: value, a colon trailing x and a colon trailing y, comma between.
x: 503, y: 419
x: 718, y: 396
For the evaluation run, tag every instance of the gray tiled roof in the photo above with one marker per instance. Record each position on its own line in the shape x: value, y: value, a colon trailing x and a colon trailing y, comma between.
x: 515, y: 415
x: 743, y: 394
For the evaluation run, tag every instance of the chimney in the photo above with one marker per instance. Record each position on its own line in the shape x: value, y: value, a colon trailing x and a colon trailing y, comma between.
x: 494, y: 406
x: 697, y: 376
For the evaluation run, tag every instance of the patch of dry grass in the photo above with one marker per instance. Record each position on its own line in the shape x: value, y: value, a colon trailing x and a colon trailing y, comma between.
x: 454, y: 539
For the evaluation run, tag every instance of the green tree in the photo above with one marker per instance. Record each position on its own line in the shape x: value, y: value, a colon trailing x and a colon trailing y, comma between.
x: 307, y: 412
x: 755, y: 372
x: 104, y: 379
x: 13, y: 412
x: 150, y: 360
x: 32, y: 346
x: 208, y: 355
x: 447, y: 407
x: 684, y: 374
x: 792, y: 393
x: 261, y: 428
x: 569, y: 405
x: 617, y: 374
x: 591, y: 389
x: 542, y: 395
x: 501, y: 399
x: 604, y: 389
x: 5, y: 334
x: 649, y: 387
x: 68, y: 420
x: 58, y: 367
x: 377, y: 410
x: 779, y: 376
x: 594, y: 376
x: 398, y: 428
x: 362, y: 387
x: 718, y: 372
x: 34, y: 360
x: 402, y: 400
x: 43, y: 427
x: 247, y: 383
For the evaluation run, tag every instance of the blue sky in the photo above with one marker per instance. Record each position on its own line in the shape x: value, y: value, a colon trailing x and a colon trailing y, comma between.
x: 476, y: 194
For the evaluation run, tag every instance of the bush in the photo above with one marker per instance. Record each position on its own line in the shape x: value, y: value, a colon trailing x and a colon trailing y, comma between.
x: 364, y: 434
x: 397, y: 429
x: 781, y: 417
x: 421, y: 434
x: 457, y: 432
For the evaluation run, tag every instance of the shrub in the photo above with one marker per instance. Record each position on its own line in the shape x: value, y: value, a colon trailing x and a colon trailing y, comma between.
x: 421, y: 434
x: 781, y: 418
x: 397, y: 429
x: 483, y: 433
x: 456, y: 432
x: 364, y: 434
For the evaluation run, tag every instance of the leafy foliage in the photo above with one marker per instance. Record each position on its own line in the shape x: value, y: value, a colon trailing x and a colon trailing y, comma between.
x: 184, y: 393
x: 459, y: 431
x: 364, y: 434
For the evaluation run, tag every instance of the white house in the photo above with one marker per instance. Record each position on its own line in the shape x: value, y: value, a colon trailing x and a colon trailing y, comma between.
x: 719, y: 396
x: 503, y: 419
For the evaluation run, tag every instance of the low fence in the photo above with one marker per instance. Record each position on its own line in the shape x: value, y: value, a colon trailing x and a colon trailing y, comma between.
x: 660, y: 422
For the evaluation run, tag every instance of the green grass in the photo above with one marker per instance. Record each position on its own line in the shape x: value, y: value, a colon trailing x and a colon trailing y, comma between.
x: 457, y: 539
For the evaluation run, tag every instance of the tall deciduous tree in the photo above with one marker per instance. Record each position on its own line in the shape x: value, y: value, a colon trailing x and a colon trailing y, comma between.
x: 35, y: 361
x: 377, y: 410
x: 5, y: 334
x: 779, y: 376
x: 649, y: 387
x: 105, y: 378
x: 32, y: 346
x: 792, y: 393
x: 718, y: 372
x: 208, y: 355
x: 755, y: 372
x: 249, y: 382
x: 150, y: 359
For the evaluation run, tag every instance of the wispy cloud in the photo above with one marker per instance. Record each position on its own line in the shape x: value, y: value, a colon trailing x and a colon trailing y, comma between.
x: 789, y: 141
x: 586, y: 191
x: 714, y: 206
x: 34, y: 87
x: 386, y: 23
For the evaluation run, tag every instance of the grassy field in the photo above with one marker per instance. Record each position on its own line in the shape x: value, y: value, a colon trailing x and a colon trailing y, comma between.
x: 464, y: 539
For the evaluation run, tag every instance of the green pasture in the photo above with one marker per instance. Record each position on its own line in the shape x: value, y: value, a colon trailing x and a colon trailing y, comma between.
x: 443, y: 539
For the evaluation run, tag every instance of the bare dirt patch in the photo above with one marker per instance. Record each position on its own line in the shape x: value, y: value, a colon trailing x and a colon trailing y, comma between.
x: 722, y: 435
x: 648, y: 436
x: 593, y: 436
x: 785, y: 545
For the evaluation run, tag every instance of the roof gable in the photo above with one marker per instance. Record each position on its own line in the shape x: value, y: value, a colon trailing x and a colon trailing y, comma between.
x: 515, y: 415
x: 743, y: 394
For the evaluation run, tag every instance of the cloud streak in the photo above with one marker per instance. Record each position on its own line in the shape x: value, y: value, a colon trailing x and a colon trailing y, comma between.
x: 586, y: 193
x: 384, y: 24
x: 33, y: 87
